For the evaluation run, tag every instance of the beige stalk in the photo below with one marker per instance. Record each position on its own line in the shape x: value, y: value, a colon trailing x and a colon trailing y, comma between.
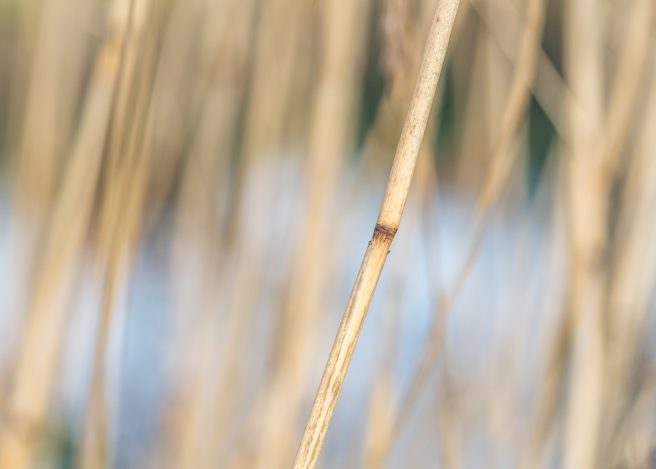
x: 386, y: 226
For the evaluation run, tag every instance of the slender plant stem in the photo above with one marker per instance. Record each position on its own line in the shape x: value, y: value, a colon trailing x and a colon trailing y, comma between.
x: 587, y: 212
x: 502, y: 158
x: 42, y: 340
x: 386, y: 226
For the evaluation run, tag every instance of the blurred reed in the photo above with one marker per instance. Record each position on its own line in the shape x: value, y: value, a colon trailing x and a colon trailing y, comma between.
x: 186, y: 186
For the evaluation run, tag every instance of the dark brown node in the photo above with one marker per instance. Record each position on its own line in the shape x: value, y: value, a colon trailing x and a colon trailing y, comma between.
x: 384, y: 233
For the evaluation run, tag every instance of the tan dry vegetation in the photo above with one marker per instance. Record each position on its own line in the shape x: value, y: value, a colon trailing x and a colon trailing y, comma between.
x: 186, y: 188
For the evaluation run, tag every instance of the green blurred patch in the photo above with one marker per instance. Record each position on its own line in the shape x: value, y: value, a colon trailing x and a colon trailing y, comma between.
x: 373, y: 85
x: 541, y: 136
x: 445, y: 122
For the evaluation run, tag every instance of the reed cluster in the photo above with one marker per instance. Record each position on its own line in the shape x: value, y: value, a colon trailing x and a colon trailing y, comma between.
x: 187, y: 186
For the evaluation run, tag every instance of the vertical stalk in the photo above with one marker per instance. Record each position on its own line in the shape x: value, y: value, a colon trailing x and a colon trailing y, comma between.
x: 587, y: 230
x: 34, y: 374
x: 386, y: 226
x: 330, y: 134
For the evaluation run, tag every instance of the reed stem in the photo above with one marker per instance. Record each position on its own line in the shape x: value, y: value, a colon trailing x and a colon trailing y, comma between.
x: 388, y: 222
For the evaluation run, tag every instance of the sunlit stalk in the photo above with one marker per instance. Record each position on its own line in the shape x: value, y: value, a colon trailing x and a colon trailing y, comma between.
x: 386, y: 226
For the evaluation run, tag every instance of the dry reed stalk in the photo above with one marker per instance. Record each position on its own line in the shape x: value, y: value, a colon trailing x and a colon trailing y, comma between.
x: 210, y: 391
x: 545, y: 407
x: 401, y: 37
x: 120, y: 224
x: 587, y: 231
x: 502, y: 157
x: 404, y: 33
x: 497, y: 77
x: 55, y: 74
x: 270, y: 96
x: 386, y: 226
x: 625, y: 86
x: 179, y: 87
x: 214, y: 414
x: 629, y: 282
x: 621, y: 101
x: 224, y: 413
x: 501, y: 162
x: 278, y: 28
x: 632, y: 281
x: 548, y: 87
x: 46, y: 75
x: 448, y: 425
x: 34, y: 372
x: 379, y: 421
x: 206, y: 168
x: 248, y: 277
x: 119, y: 258
x: 124, y: 100
x: 278, y: 38
x: 342, y: 45
x: 470, y: 81
x: 382, y: 425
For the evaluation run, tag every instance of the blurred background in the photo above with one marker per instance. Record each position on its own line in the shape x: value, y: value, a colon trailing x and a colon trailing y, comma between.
x: 187, y: 188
